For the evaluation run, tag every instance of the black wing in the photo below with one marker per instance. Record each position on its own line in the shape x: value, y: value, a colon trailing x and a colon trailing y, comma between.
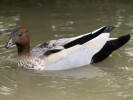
x: 81, y: 40
x: 88, y: 37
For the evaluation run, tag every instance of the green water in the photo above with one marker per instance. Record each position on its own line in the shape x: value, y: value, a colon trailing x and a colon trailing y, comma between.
x: 46, y: 20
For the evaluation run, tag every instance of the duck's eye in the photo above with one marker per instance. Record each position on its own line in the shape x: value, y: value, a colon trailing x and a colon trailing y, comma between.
x: 20, y: 34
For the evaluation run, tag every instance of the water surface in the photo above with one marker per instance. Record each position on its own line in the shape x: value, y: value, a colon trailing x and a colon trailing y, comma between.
x: 46, y: 20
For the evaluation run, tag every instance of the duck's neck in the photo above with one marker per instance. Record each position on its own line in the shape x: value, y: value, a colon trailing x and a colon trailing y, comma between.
x: 23, y: 50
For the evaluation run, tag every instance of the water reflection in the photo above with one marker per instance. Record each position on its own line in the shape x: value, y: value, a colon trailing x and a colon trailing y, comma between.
x: 85, y: 72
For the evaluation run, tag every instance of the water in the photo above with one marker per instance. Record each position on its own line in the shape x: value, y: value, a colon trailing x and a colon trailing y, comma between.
x: 46, y: 20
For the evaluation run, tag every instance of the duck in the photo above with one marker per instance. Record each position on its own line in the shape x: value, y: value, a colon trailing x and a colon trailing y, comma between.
x: 65, y: 53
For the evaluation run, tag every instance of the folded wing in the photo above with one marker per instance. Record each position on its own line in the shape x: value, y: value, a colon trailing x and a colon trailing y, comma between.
x: 52, y: 47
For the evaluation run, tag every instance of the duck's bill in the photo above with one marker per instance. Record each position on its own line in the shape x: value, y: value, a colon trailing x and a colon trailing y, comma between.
x: 9, y: 44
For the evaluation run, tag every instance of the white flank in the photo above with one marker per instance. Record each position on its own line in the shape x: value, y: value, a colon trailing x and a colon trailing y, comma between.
x: 76, y: 56
x: 60, y: 55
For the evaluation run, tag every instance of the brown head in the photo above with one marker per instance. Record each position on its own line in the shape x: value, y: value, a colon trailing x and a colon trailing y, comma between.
x: 20, y: 38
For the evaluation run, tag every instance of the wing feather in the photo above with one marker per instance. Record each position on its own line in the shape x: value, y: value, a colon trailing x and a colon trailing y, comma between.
x: 55, y: 46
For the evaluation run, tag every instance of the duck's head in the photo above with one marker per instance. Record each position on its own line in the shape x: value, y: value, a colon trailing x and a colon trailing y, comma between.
x: 19, y: 36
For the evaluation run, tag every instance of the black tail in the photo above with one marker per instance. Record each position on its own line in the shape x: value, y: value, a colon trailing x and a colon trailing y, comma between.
x: 109, y: 47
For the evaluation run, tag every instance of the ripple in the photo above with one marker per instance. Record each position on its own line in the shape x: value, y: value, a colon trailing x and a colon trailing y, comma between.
x: 63, y: 35
x: 129, y: 51
x: 81, y: 72
x: 5, y: 90
x: 69, y: 23
x: 7, y: 23
x: 63, y: 26
x: 127, y: 68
